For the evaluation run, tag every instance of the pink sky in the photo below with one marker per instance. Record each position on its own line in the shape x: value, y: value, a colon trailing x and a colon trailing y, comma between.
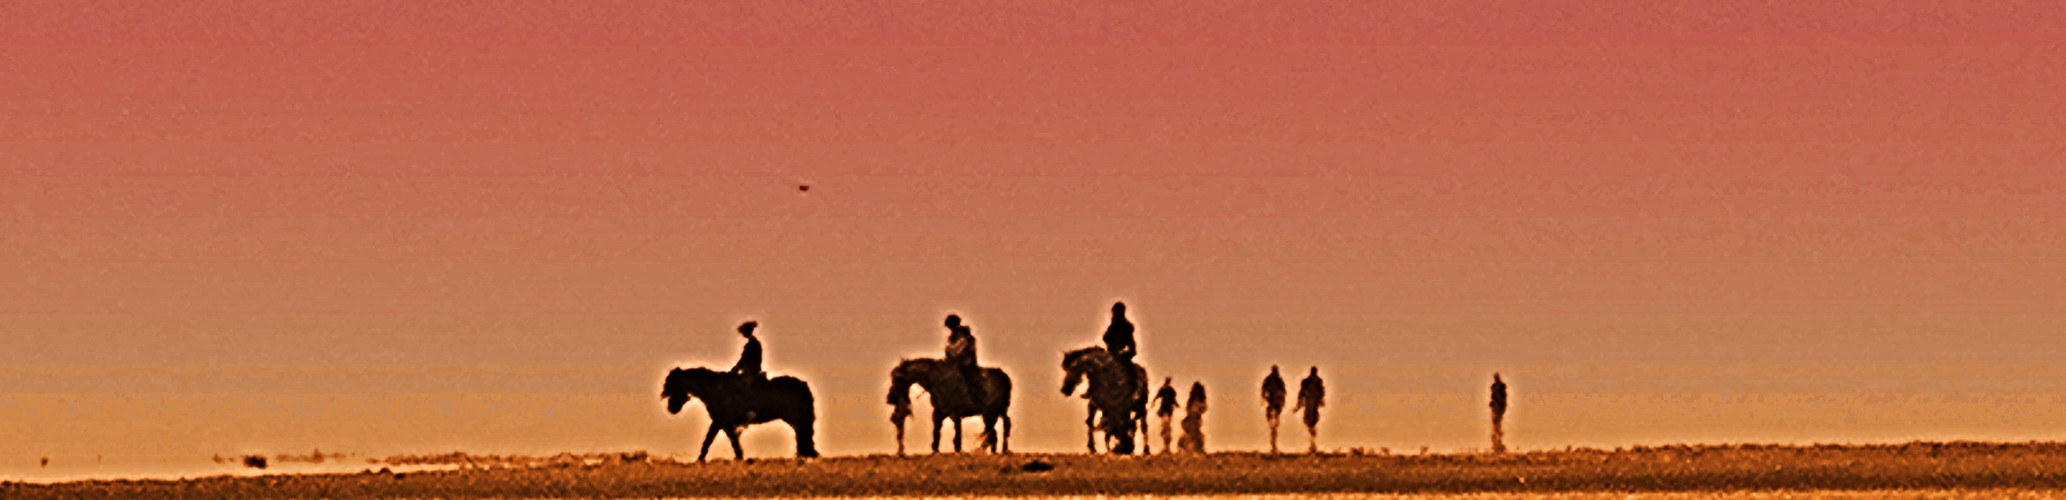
x: 1775, y: 221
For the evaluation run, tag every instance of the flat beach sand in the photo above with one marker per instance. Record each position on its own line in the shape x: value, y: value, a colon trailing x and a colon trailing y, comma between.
x: 1911, y: 467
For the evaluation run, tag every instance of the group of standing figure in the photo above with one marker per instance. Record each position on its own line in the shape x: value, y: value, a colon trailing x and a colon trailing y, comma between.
x: 1116, y: 394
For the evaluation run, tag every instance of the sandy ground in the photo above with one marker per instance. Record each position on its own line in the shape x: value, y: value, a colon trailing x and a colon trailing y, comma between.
x: 1921, y: 467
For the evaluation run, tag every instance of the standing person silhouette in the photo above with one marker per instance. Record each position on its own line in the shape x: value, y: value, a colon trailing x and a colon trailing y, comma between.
x: 1165, y: 409
x: 961, y: 354
x: 1498, y: 414
x: 748, y: 367
x: 1312, y: 394
x: 1194, y: 420
x: 1273, y: 403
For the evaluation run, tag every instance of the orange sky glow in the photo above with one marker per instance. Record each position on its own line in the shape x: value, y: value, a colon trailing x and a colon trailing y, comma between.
x: 410, y: 226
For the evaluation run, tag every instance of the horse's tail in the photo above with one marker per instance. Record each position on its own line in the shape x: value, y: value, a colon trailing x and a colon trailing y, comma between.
x: 1001, y: 405
x: 800, y: 412
x: 1000, y: 392
x: 806, y: 439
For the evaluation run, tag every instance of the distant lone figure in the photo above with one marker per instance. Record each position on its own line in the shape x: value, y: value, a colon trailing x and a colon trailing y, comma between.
x: 1194, y: 420
x: 1312, y: 394
x: 1165, y: 409
x: 749, y: 358
x: 961, y: 354
x: 1273, y: 403
x: 1498, y: 414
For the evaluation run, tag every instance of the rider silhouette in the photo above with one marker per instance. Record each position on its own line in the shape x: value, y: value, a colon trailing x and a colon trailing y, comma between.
x: 1119, y: 336
x: 748, y: 367
x: 961, y: 354
x: 1119, y: 342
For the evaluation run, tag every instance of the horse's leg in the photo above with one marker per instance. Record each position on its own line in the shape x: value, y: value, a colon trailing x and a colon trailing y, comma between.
x: 1005, y: 443
x: 957, y: 434
x: 707, y: 438
x: 1141, y: 424
x: 1090, y: 429
x: 1143, y: 416
x: 1127, y: 436
x: 936, y: 433
x: 738, y: 452
x: 900, y: 437
x: 989, y: 443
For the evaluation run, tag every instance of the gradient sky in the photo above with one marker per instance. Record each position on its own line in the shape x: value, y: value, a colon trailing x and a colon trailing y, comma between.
x: 409, y: 226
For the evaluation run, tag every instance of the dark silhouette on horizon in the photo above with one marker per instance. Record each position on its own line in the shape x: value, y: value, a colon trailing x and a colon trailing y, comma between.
x: 951, y: 400
x: 1117, y: 392
x: 1194, y: 420
x: 1273, y: 403
x: 749, y: 356
x: 1312, y: 394
x: 1498, y: 414
x: 734, y: 402
x: 1119, y: 341
x: 1165, y: 409
x: 961, y: 354
x: 1119, y: 335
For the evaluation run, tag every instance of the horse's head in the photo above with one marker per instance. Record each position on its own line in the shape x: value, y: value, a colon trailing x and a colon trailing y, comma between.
x: 906, y: 373
x: 675, y: 391
x: 1077, y: 363
x: 682, y: 386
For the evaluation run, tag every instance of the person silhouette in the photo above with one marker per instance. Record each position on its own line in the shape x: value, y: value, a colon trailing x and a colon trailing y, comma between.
x: 1312, y: 394
x: 961, y: 354
x: 1498, y: 414
x: 1273, y: 403
x: 1119, y: 343
x: 748, y: 367
x: 1119, y: 335
x: 1194, y: 420
x: 1165, y: 409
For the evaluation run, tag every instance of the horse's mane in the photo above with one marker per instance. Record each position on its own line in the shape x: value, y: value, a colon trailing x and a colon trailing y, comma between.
x: 913, y: 362
x: 1094, y: 354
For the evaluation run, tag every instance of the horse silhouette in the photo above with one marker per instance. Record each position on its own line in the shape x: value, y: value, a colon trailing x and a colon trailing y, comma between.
x: 733, y: 405
x: 951, y: 400
x: 1118, y: 396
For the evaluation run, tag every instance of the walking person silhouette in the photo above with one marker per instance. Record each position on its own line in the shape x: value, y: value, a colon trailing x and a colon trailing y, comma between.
x: 1312, y: 394
x: 1165, y: 409
x: 1273, y: 403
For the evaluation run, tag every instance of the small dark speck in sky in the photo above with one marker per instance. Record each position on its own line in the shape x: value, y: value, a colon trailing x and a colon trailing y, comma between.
x: 803, y: 188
